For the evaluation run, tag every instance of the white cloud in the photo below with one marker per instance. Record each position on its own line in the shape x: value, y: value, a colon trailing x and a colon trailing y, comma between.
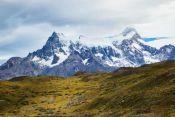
x: 26, y: 25
x: 161, y: 21
x: 161, y: 42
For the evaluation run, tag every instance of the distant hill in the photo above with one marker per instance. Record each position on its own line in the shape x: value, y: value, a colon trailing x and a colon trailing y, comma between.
x: 147, y: 91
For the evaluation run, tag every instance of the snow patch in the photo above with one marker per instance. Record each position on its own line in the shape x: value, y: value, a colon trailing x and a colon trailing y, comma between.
x: 85, y: 61
x: 62, y: 57
x: 99, y: 55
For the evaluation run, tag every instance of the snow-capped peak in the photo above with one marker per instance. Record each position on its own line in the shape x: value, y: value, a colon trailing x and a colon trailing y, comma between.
x: 58, y: 48
x: 128, y: 30
x: 64, y: 55
x: 55, y: 39
x: 54, y: 34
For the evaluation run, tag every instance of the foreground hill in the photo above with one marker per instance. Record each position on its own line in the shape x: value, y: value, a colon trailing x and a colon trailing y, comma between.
x: 148, y: 91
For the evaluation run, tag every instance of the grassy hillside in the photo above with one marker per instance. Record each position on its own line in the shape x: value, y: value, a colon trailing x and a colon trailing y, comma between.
x: 148, y: 91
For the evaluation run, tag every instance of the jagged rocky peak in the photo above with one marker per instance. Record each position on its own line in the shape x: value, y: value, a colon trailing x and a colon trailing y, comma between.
x: 55, y: 37
x: 53, y: 45
x: 55, y: 34
x: 54, y: 40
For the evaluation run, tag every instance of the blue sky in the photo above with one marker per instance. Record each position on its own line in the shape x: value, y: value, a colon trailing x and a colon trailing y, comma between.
x: 150, y: 39
x: 26, y: 25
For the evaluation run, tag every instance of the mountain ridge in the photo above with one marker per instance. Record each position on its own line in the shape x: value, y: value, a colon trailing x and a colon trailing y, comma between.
x: 63, y: 57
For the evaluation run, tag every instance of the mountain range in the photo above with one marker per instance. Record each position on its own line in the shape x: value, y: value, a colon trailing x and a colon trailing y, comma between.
x: 61, y: 56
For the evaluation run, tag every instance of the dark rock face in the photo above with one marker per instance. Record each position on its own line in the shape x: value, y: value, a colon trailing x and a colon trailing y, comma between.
x: 62, y: 58
x: 20, y: 68
x: 11, y: 62
x: 55, y: 59
x: 167, y: 52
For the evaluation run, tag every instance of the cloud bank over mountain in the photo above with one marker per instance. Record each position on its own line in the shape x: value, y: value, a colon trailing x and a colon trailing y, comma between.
x: 25, y: 25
